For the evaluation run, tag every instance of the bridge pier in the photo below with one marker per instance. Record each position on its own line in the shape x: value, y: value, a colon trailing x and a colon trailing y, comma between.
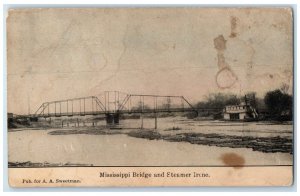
x: 155, y: 120
x: 33, y: 119
x: 142, y: 121
x: 112, y: 118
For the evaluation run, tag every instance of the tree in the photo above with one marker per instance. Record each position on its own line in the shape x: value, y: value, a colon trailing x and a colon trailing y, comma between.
x: 284, y: 87
x: 279, y: 104
x: 219, y: 100
x: 250, y: 98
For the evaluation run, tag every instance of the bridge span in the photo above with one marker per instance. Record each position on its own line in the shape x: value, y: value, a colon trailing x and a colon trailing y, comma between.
x: 112, y: 104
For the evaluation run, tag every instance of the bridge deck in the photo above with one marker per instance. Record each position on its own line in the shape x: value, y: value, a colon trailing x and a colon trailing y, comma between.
x: 138, y: 111
x: 145, y: 111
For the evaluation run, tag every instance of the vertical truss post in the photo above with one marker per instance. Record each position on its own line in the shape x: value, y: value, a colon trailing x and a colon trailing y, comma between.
x: 108, y: 100
x: 83, y: 106
x: 128, y: 108
x: 97, y: 105
x: 182, y: 104
x: 130, y: 102
x: 93, y: 105
x: 43, y: 108
x: 168, y: 103
x: 80, y: 106
x: 105, y: 101
x: 115, y: 100
x: 155, y: 115
x: 141, y: 105
x: 118, y: 100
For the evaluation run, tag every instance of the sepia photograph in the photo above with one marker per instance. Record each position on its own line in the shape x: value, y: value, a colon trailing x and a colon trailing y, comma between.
x: 173, y: 95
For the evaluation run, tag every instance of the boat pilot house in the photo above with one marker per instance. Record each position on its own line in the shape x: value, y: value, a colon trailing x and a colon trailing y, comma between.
x: 242, y: 111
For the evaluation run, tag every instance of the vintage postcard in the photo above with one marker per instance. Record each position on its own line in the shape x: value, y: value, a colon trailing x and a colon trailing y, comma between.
x: 150, y: 97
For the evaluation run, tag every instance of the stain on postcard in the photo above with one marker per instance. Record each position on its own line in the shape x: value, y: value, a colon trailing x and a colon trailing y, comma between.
x: 150, y: 97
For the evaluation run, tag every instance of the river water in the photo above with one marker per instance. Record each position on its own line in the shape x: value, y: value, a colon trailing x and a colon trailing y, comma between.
x: 121, y: 150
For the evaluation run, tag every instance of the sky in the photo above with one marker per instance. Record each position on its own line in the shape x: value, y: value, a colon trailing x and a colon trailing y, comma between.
x: 55, y: 54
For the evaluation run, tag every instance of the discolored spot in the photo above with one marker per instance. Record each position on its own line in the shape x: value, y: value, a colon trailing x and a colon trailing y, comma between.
x: 225, y: 78
x: 232, y: 35
x: 233, y: 21
x: 234, y: 160
x: 220, y: 43
x: 274, y: 25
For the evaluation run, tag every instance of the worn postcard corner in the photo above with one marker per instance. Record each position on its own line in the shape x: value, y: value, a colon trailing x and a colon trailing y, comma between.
x: 150, y: 97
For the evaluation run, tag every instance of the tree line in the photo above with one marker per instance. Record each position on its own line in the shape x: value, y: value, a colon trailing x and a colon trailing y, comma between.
x: 276, y: 104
